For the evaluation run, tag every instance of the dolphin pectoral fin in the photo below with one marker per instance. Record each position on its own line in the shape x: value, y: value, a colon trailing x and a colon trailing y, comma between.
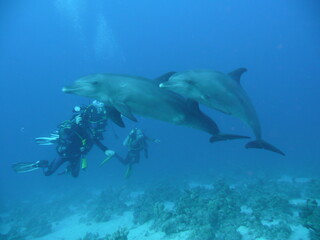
x: 193, y: 105
x: 163, y: 78
x: 115, y: 116
x: 125, y: 111
x: 264, y: 145
x: 223, y: 137
x: 209, y: 124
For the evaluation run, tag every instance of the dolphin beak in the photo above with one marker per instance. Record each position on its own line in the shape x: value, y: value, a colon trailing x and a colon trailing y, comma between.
x: 70, y: 89
x: 66, y: 90
x: 167, y: 85
x: 162, y: 85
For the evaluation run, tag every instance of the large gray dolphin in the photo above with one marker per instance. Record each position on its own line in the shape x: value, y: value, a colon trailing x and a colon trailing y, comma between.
x: 222, y: 92
x: 131, y: 95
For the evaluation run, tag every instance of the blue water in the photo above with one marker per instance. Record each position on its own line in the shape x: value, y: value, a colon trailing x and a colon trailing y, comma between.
x: 45, y: 45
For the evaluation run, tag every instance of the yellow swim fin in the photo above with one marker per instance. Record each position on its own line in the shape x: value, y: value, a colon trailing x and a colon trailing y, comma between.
x: 105, y: 160
x: 84, y: 163
x: 128, y: 171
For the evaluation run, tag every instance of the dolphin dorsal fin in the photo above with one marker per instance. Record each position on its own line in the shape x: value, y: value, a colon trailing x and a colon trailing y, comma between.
x: 163, y: 78
x: 236, y: 74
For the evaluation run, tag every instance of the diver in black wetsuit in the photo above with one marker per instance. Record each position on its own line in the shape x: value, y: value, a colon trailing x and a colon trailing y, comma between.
x: 74, y: 140
x: 136, y: 141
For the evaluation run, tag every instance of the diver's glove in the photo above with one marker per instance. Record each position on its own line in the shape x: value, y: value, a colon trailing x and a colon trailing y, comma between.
x: 109, y: 154
x: 78, y: 119
x: 45, y: 141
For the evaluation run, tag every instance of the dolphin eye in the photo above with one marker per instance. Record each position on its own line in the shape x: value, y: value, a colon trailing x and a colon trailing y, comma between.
x: 190, y: 82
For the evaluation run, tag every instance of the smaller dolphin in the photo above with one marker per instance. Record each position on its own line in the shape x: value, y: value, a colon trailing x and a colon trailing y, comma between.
x: 222, y: 92
x: 131, y: 95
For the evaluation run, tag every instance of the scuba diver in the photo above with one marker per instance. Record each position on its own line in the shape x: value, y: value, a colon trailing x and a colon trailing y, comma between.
x: 74, y: 139
x: 136, y: 141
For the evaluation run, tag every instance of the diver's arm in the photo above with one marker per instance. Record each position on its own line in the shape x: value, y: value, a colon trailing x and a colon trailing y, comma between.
x: 155, y: 140
x: 126, y: 141
x: 100, y: 145
x: 105, y: 149
x: 107, y: 152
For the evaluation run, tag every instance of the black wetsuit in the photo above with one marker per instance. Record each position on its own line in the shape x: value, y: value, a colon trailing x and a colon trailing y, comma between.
x: 97, y: 120
x: 74, y: 142
x: 136, y: 145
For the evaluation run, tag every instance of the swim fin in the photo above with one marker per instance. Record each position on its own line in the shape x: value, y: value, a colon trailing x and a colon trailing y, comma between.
x: 264, y: 145
x: 128, y: 171
x: 84, y: 163
x: 105, y: 160
x: 45, y: 141
x: 23, y: 167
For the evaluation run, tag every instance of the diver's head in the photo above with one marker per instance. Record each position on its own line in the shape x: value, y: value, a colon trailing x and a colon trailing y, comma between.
x: 133, y: 130
x: 136, y: 132
x: 139, y: 132
x: 98, y: 105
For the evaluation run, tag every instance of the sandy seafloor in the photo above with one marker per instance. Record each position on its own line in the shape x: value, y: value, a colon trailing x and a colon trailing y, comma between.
x: 222, y: 208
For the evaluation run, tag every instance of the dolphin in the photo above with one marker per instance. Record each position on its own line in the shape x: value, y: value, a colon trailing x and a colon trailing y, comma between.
x: 222, y: 92
x: 129, y: 95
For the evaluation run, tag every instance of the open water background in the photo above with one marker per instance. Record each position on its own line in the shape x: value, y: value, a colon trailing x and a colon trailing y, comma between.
x: 45, y: 45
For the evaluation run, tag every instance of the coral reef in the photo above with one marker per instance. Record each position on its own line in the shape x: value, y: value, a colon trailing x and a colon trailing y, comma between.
x: 261, y: 208
x: 120, y: 234
x: 13, y: 234
x: 35, y: 218
x: 312, y: 190
x: 310, y: 217
x: 143, y: 209
x: 203, y: 233
x: 210, y: 213
x: 151, y: 204
x: 267, y: 200
x: 216, y: 212
x: 38, y: 227
x: 91, y: 236
x: 108, y: 203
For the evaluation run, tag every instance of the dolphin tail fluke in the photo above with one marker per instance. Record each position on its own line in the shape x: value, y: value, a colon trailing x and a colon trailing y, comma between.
x: 224, y: 137
x: 264, y: 145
